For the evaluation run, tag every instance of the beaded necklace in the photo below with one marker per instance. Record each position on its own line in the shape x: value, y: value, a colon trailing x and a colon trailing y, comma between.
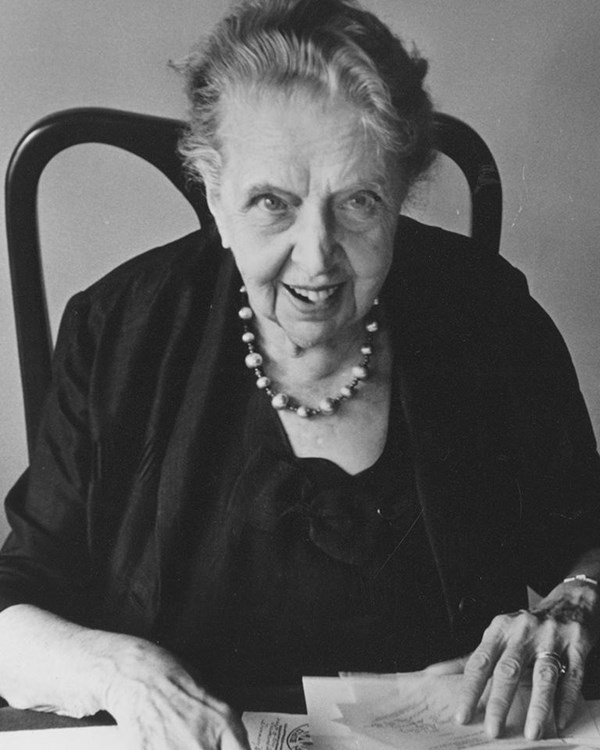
x: 281, y: 400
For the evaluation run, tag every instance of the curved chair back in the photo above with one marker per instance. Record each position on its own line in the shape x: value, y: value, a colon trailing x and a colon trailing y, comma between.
x: 154, y: 139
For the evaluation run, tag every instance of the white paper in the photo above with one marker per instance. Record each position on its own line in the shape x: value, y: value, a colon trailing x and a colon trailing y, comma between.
x: 585, y: 727
x: 416, y: 711
x: 272, y: 731
x: 420, y: 709
x: 323, y: 695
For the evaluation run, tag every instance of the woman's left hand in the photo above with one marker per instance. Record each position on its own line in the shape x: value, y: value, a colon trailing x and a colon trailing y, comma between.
x: 554, y: 638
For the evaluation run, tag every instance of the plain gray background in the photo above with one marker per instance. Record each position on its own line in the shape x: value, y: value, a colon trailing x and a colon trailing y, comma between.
x: 524, y: 73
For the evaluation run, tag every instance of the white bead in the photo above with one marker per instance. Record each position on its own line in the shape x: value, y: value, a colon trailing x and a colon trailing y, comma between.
x: 248, y: 337
x: 279, y: 401
x: 302, y: 411
x: 327, y: 406
x: 253, y: 360
x: 346, y: 391
x: 263, y: 382
x: 366, y: 349
x: 243, y: 290
x: 245, y: 313
x: 375, y: 301
x: 373, y: 326
x: 360, y: 372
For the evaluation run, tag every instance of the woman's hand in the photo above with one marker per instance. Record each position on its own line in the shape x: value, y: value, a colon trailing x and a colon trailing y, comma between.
x: 554, y: 639
x: 50, y: 664
x: 158, y: 706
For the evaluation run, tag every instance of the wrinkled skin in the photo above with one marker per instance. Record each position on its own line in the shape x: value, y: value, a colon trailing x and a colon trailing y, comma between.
x: 157, y: 706
x: 567, y: 623
x: 50, y: 664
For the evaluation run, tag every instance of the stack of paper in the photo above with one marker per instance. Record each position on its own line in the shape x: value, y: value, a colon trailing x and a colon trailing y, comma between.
x: 416, y: 711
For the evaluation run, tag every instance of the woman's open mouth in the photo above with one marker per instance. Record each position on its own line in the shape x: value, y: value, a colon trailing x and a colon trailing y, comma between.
x: 313, y: 296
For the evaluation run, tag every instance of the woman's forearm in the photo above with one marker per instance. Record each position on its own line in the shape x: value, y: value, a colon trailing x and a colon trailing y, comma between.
x: 50, y: 664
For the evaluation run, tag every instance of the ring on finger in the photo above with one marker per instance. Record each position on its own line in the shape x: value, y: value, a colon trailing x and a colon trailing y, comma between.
x: 554, y: 659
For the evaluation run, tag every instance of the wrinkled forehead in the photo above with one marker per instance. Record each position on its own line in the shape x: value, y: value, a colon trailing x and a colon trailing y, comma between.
x: 293, y: 120
x: 302, y: 143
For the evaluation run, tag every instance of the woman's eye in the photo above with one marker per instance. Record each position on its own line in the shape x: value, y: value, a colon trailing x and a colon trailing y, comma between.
x: 272, y: 204
x: 362, y: 204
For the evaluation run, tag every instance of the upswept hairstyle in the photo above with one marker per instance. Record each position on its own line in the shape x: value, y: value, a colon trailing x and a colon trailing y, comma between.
x: 325, y: 46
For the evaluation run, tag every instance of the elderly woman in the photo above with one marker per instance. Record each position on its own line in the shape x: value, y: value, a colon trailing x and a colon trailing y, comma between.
x: 322, y: 438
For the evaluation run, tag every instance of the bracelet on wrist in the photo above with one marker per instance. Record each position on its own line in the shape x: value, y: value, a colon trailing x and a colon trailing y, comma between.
x: 581, y: 577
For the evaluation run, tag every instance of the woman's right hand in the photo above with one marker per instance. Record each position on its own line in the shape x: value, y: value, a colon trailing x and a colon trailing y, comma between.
x: 50, y: 664
x: 158, y: 706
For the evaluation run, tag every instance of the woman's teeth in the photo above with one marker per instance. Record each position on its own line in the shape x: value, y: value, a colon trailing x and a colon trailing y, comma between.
x: 312, y: 295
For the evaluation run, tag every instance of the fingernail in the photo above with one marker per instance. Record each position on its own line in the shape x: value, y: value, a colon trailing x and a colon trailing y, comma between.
x: 562, y: 722
x: 533, y: 730
x: 461, y: 716
x: 565, y: 715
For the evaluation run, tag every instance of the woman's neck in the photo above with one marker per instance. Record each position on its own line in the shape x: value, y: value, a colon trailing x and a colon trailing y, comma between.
x: 310, y: 368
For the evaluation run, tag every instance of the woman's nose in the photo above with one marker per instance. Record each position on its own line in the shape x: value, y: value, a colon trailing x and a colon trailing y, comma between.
x: 315, y: 245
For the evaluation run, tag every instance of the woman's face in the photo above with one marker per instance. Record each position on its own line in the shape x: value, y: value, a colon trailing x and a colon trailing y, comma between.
x: 309, y: 209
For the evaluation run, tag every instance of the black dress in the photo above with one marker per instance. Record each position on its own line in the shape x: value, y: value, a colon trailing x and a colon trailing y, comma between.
x: 300, y: 568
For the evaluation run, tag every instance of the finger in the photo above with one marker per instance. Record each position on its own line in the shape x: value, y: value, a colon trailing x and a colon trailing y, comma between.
x: 546, y: 673
x: 221, y: 727
x: 505, y: 681
x: 477, y: 671
x: 452, y: 666
x: 569, y: 688
x: 234, y: 738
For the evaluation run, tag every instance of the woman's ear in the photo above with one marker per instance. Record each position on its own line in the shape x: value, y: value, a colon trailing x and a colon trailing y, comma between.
x: 213, y: 198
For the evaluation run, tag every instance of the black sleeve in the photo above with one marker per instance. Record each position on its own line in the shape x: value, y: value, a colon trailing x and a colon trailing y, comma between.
x: 44, y: 560
x: 555, y: 446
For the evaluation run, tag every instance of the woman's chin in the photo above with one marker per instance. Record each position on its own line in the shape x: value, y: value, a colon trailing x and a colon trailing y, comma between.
x: 310, y: 329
